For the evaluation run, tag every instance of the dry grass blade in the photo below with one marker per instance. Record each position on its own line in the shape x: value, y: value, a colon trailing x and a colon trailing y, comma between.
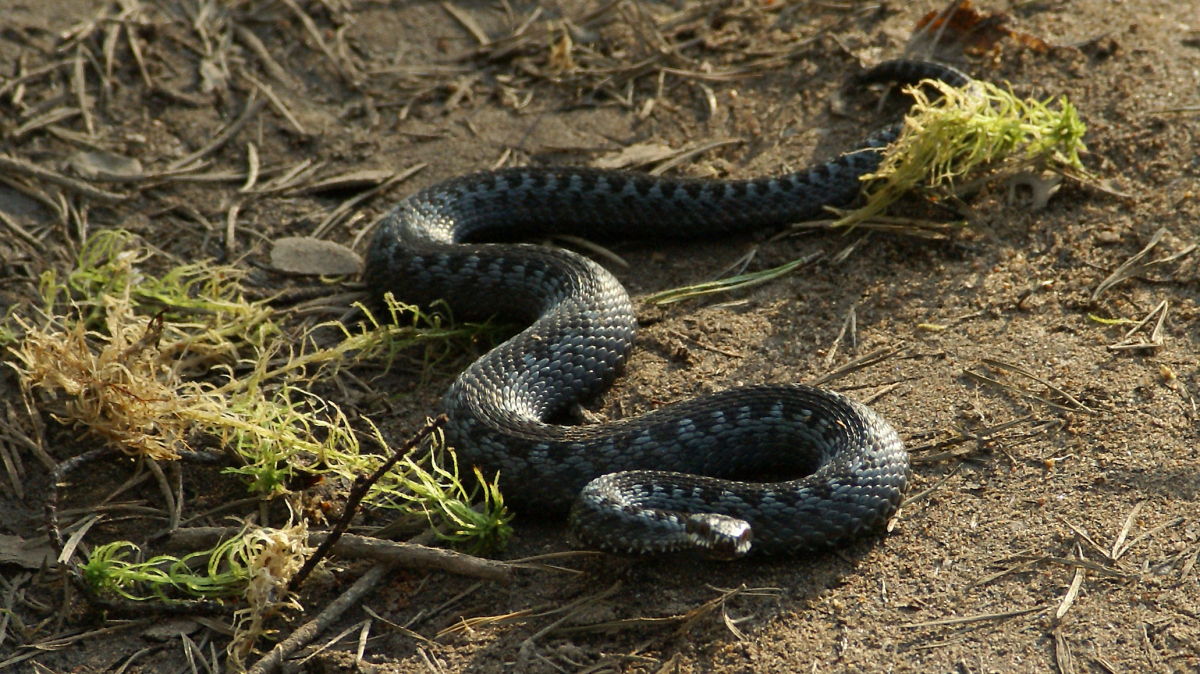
x: 1165, y: 525
x: 591, y: 247
x: 874, y: 358
x: 276, y: 102
x: 76, y: 538
x: 1083, y: 535
x: 924, y: 229
x: 685, y: 620
x: 1016, y: 568
x: 46, y: 120
x: 1062, y: 653
x: 272, y: 661
x: 276, y: 71
x: 1133, y: 513
x: 11, y: 165
x: 21, y: 232
x: 1189, y: 565
x: 1075, y: 405
x: 739, y: 282
x: 1073, y: 590
x: 991, y: 362
x: 36, y: 73
x: 400, y: 628
x: 682, y: 156
x: 79, y: 88
x: 1156, y: 334
x: 498, y: 49
x: 467, y: 21
x: 980, y: 436
x: 347, y: 205
x: 467, y: 624
x: 1135, y: 265
x: 985, y: 617
x: 570, y: 611
x: 310, y: 26
x: 921, y: 495
x: 253, y: 107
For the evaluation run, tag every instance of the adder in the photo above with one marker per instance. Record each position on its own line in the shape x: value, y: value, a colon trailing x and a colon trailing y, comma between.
x: 676, y: 478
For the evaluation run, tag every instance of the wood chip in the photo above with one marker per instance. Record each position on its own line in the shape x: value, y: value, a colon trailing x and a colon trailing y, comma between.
x: 306, y: 255
x: 13, y: 550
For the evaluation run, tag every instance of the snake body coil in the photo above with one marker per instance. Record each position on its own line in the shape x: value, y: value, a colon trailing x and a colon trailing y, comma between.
x: 672, y: 479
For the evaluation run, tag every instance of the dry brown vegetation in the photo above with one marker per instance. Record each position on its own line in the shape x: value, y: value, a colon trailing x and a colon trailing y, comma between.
x: 1040, y: 360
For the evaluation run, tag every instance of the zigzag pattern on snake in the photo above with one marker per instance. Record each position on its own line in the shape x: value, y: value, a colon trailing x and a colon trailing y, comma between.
x: 675, y: 478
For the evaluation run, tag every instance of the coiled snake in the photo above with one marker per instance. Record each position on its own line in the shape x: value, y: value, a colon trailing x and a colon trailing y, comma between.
x: 671, y: 479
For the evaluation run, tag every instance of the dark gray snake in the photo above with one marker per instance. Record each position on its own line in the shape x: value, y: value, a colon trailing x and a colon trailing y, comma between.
x: 672, y: 479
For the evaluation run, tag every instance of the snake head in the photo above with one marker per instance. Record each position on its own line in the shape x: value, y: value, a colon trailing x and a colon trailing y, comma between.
x: 721, y: 537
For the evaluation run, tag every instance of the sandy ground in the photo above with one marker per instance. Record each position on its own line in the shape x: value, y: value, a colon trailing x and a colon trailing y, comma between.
x: 1039, y: 538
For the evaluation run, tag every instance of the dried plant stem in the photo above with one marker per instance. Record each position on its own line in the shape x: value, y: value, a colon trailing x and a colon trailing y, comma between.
x: 359, y: 491
x: 309, y: 631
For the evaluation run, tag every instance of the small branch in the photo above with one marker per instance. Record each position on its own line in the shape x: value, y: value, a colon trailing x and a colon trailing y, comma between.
x: 21, y: 167
x: 72, y: 570
x: 309, y: 631
x: 252, y: 109
x: 350, y: 546
x: 359, y: 491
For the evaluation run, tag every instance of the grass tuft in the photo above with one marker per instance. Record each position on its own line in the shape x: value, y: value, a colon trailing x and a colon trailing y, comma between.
x: 977, y: 132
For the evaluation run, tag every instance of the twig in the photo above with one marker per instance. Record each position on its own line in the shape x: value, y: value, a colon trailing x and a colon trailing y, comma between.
x: 350, y: 546
x: 359, y: 491
x: 991, y: 362
x: 276, y: 102
x: 1134, y: 265
x: 276, y: 71
x: 252, y: 109
x: 315, y: 34
x: 875, y: 357
x: 467, y: 21
x: 978, y: 618
x: 309, y: 631
x: 22, y: 167
x: 22, y: 232
x: 71, y: 568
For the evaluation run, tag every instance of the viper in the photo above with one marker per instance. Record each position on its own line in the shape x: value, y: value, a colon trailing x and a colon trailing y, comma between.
x: 687, y: 476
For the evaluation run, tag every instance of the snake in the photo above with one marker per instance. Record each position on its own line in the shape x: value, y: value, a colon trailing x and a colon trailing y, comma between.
x: 771, y: 469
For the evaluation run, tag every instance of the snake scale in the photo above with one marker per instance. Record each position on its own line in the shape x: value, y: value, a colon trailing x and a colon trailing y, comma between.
x: 825, y: 468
